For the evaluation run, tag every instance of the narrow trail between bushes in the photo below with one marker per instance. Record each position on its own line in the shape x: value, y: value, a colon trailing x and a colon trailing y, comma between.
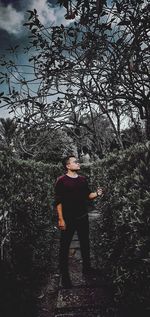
x: 88, y: 297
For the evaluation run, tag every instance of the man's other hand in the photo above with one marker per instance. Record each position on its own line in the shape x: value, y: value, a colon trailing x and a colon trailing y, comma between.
x: 61, y: 224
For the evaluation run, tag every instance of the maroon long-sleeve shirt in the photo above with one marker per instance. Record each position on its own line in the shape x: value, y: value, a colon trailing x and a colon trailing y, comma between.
x: 73, y: 194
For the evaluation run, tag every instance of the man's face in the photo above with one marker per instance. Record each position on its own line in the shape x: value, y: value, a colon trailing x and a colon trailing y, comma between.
x: 73, y: 164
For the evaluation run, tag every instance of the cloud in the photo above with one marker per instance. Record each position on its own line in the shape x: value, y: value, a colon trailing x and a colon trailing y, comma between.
x: 48, y: 14
x: 10, y: 19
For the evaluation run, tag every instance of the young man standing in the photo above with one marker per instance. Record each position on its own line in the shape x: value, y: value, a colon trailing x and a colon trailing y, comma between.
x: 72, y: 194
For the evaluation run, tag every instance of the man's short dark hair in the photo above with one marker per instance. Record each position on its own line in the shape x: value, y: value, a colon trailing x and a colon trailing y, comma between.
x: 65, y: 160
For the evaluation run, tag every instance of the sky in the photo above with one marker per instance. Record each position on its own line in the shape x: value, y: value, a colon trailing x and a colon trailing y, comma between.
x: 13, y: 13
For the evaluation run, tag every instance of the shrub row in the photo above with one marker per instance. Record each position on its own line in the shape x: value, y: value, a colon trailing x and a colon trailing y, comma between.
x: 26, y: 223
x: 121, y: 236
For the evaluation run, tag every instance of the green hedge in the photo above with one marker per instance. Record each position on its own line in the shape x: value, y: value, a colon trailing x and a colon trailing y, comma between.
x: 26, y: 218
x: 121, y: 236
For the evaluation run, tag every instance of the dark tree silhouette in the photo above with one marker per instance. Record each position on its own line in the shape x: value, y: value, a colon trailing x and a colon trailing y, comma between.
x: 94, y: 65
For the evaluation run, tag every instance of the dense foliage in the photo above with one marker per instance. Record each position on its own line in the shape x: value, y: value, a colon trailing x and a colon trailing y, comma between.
x: 121, y: 234
x: 122, y: 239
x: 26, y: 204
x: 26, y: 230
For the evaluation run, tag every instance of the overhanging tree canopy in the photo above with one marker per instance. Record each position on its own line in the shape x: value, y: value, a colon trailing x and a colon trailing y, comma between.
x: 97, y: 67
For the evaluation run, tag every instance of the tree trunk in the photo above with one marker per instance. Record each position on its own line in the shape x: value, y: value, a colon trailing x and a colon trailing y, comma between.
x: 147, y: 128
x: 147, y: 121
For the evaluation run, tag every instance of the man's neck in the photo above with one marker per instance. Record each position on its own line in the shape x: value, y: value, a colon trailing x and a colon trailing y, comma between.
x: 72, y: 174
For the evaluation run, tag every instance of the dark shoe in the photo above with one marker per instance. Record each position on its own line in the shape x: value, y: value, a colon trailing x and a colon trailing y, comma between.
x: 90, y: 271
x: 66, y: 282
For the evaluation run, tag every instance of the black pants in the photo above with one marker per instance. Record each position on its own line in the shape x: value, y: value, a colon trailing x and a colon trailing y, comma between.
x: 82, y: 227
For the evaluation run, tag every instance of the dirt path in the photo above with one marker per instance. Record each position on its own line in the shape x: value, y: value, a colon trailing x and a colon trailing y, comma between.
x: 88, y: 297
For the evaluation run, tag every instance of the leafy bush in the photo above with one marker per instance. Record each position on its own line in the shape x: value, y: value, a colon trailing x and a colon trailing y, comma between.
x: 122, y: 235
x: 26, y: 219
